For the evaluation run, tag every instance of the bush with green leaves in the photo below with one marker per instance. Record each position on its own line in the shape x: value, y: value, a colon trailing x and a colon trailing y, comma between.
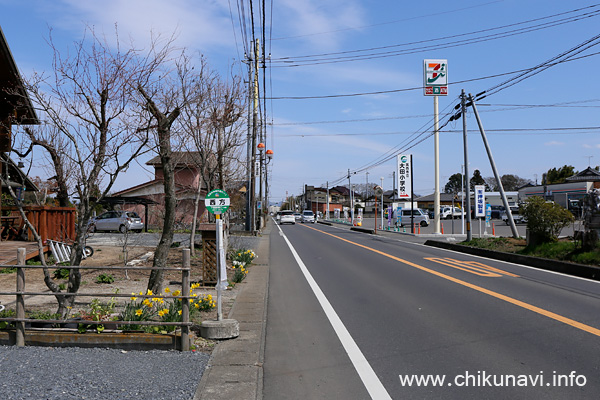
x: 105, y: 278
x: 545, y: 219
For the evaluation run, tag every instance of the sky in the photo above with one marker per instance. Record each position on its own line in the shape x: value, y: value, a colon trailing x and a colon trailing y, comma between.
x: 344, y: 79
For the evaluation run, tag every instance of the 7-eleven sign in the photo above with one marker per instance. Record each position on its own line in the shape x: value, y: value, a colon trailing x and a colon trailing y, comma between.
x: 435, y: 77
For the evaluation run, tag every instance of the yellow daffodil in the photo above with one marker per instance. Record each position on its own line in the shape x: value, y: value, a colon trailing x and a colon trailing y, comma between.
x: 133, y: 298
x: 191, y: 301
x: 147, y: 303
x: 161, y: 313
x: 177, y: 293
x: 138, y: 312
x: 179, y: 312
x: 167, y: 290
x: 197, y: 305
x: 209, y: 297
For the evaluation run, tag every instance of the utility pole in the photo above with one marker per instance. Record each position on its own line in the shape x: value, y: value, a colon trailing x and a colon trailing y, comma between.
x: 327, y: 210
x: 254, y: 133
x: 249, y: 166
x: 494, y: 169
x: 351, y: 205
x: 367, y: 196
x: 463, y: 104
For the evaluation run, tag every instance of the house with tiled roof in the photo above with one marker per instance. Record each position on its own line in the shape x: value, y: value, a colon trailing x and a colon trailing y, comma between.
x: 187, y: 181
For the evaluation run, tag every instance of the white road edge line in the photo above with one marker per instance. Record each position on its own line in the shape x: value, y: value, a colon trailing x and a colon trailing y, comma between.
x: 362, y: 366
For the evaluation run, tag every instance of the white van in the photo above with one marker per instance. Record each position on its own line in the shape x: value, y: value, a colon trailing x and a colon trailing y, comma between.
x: 403, y: 217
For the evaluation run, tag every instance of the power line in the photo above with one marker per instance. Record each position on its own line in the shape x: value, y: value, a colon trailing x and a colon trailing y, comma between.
x: 371, y: 53
x: 560, y: 131
x: 387, y: 23
x: 420, y: 87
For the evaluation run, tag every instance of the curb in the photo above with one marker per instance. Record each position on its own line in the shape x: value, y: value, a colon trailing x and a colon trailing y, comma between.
x: 363, y: 230
x: 580, y: 270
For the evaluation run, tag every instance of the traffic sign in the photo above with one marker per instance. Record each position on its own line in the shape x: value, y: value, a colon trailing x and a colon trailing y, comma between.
x: 217, y: 201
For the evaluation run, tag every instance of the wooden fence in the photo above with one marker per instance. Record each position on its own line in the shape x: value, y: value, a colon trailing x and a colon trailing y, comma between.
x: 55, y: 223
x: 21, y: 294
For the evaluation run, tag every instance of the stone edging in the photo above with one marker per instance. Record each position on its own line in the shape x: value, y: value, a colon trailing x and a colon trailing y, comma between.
x: 581, y: 270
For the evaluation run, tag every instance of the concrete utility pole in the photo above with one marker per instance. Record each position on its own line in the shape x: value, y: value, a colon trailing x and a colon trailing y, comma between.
x: 254, y: 133
x: 351, y: 205
x: 382, y: 201
x: 249, y: 166
x: 511, y: 221
x: 327, y: 210
x: 463, y: 104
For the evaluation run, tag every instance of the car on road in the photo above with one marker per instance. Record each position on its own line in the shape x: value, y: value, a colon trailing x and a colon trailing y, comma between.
x: 308, y: 216
x: 121, y: 221
x: 447, y: 213
x: 497, y: 212
x: 298, y: 216
x: 517, y: 217
x: 287, y: 217
x: 406, y: 216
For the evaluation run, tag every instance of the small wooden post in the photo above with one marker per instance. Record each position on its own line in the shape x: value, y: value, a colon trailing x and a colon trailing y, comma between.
x: 20, y: 333
x: 185, y: 302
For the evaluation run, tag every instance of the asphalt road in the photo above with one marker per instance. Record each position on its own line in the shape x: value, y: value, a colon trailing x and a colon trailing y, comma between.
x: 490, y: 329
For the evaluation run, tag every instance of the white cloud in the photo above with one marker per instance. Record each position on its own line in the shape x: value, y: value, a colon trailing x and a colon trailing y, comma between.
x: 554, y: 143
x: 320, y: 24
x: 197, y: 24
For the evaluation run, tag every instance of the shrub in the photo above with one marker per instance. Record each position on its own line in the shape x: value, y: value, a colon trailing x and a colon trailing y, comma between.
x: 545, y: 219
x: 105, y: 278
x: 61, y: 273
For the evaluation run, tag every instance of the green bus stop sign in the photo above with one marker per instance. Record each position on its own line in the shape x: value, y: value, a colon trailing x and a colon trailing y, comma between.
x: 217, y: 201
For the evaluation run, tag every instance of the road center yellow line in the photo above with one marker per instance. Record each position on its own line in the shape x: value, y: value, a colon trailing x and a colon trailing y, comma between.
x: 541, y: 311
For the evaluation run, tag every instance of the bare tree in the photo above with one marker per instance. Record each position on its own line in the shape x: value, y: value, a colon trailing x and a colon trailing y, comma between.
x: 214, y: 123
x: 89, y: 102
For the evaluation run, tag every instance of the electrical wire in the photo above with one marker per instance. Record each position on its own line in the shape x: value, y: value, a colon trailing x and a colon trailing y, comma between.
x: 372, y: 53
x: 421, y: 87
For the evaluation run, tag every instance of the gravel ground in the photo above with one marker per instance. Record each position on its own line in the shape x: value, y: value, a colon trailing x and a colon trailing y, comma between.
x: 80, y: 373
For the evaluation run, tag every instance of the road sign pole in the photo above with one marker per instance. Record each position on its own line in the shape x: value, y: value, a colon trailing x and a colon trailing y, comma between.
x: 219, y: 261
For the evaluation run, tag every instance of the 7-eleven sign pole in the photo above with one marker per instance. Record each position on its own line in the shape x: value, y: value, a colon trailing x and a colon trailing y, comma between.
x: 435, y: 74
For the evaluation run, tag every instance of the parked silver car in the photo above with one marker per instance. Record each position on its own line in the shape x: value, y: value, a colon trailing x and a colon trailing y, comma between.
x: 121, y: 221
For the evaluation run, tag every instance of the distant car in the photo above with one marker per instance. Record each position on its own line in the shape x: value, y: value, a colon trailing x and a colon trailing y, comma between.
x: 287, y: 217
x: 447, y: 213
x: 121, y: 221
x: 409, y: 215
x: 497, y: 212
x: 308, y: 216
x: 298, y: 216
x: 518, y: 218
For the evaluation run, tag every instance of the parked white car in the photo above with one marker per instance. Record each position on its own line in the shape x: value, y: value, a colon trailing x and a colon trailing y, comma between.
x: 518, y: 218
x: 407, y: 216
x: 447, y: 213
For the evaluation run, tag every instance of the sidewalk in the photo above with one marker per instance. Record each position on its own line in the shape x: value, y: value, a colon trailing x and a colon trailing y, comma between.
x: 235, y: 370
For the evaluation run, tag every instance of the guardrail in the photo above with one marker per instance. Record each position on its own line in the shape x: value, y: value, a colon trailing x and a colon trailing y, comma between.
x: 20, y: 294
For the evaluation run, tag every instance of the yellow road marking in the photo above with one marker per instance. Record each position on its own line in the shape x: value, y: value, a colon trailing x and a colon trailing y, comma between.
x: 473, y: 267
x: 541, y: 311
